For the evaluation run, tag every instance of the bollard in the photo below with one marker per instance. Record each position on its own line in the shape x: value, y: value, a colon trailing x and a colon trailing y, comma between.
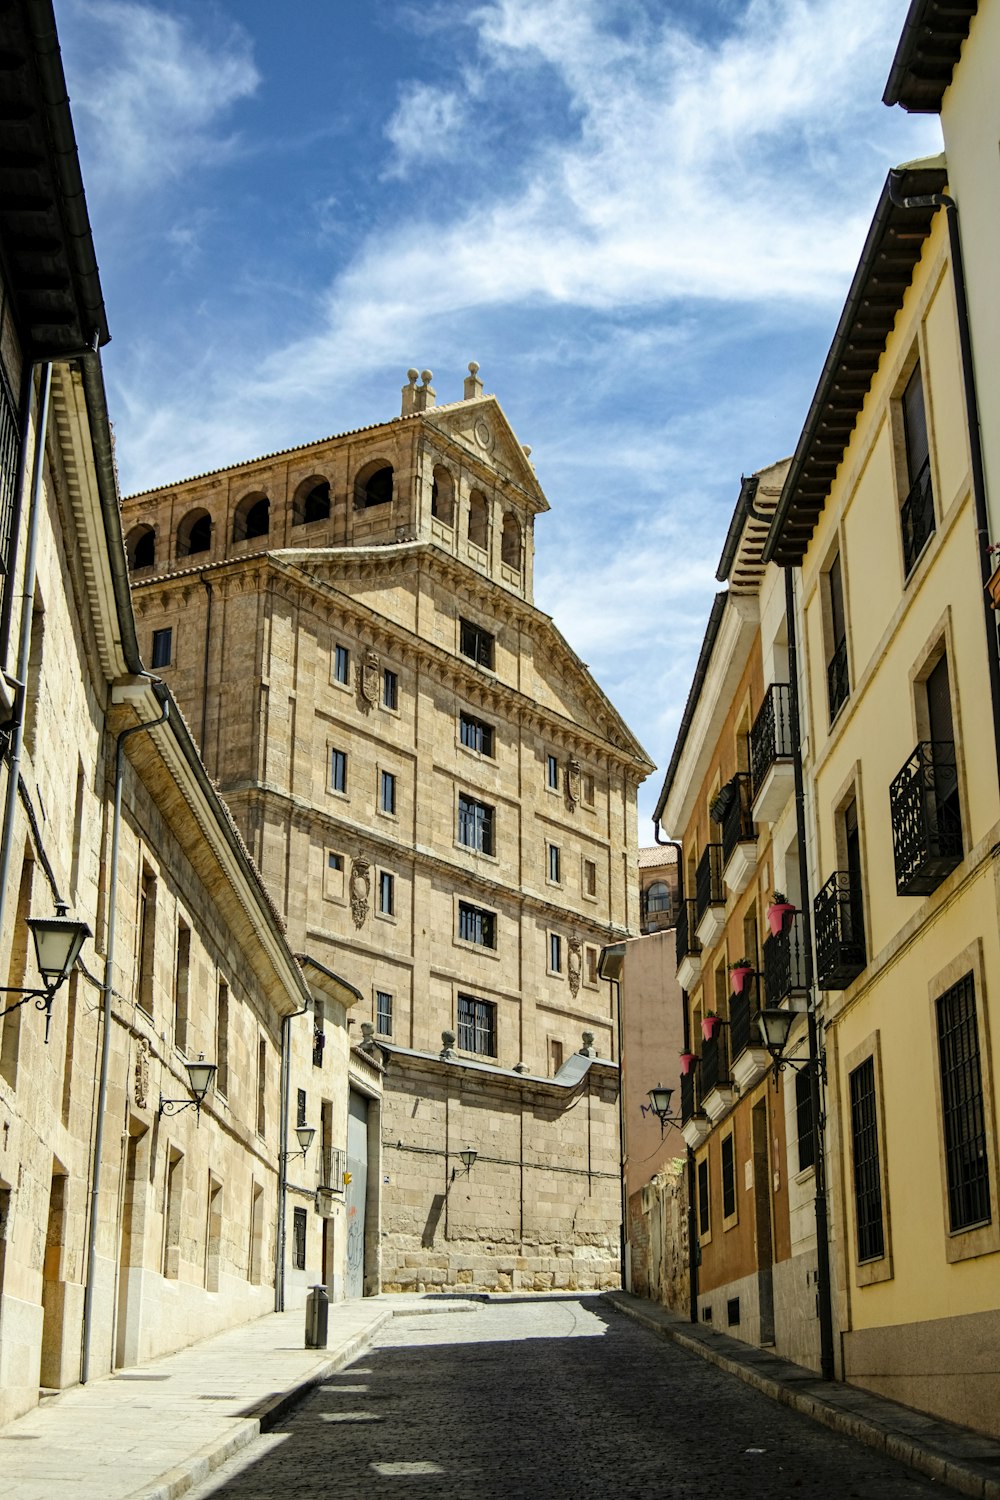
x: 317, y: 1318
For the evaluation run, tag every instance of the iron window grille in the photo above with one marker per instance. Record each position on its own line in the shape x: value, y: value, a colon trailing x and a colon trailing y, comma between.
x: 785, y: 962
x: 771, y: 734
x: 925, y: 816
x: 962, y: 1107
x: 708, y: 887
x: 476, y: 925
x: 476, y: 735
x: 728, y: 1177
x: 475, y: 824
x: 333, y: 1165
x: 916, y: 518
x: 840, y: 932
x: 383, y: 1012
x: 477, y: 1025
x: 477, y: 643
x: 299, y: 1239
x: 804, y: 1119
x: 838, y: 682
x: 338, y: 770
x: 685, y: 937
x: 690, y: 1098
x: 300, y: 1107
x: 319, y: 1042
x: 341, y: 664
x: 867, y: 1169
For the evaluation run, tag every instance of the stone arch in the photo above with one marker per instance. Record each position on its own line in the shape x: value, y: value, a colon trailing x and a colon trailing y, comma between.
x: 479, y: 519
x: 194, y: 534
x: 373, y: 484
x: 312, y: 501
x: 443, y: 495
x: 510, y: 541
x: 252, y: 517
x: 140, y: 546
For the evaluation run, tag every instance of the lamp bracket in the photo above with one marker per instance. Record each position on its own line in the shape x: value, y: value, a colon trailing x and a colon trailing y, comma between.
x: 174, y: 1106
x: 42, y: 998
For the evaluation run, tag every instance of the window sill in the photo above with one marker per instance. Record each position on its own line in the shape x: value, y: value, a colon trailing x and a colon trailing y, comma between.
x: 386, y: 916
x: 470, y: 947
x: 479, y: 853
x: 341, y: 796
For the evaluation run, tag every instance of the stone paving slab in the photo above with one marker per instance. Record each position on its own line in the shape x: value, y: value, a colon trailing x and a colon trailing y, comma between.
x: 966, y: 1461
x: 151, y: 1433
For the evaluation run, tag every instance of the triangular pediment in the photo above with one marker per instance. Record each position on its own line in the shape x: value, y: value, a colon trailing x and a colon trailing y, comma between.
x: 482, y: 429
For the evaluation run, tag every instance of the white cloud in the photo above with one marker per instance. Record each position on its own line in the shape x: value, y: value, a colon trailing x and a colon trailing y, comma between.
x: 427, y: 126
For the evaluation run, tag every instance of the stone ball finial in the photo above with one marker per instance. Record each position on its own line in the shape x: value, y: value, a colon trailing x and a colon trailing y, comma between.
x: 526, y: 447
x: 448, y: 1037
x: 411, y: 376
x: 427, y: 376
x: 367, y: 1030
x: 473, y: 367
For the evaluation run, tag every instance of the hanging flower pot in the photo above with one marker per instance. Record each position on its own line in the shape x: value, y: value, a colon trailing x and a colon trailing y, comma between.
x: 687, y: 1059
x: 739, y: 974
x: 709, y: 1025
x: 780, y: 913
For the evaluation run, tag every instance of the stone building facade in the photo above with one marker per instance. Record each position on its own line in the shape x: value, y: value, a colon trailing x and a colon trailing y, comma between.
x: 439, y: 796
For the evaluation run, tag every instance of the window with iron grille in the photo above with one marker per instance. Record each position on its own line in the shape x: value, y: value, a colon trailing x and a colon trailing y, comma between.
x: 383, y: 1012
x: 390, y: 689
x: 477, y: 643
x: 338, y: 770
x: 704, y: 1219
x: 319, y: 1042
x: 475, y: 824
x: 476, y: 925
x: 867, y: 1169
x: 341, y: 664
x: 387, y: 792
x: 803, y: 1119
x: 476, y: 735
x: 477, y: 1025
x: 386, y: 893
x: 728, y: 1177
x: 962, y: 1106
x: 300, y: 1107
x: 837, y: 677
x: 163, y: 646
x: 299, y: 1222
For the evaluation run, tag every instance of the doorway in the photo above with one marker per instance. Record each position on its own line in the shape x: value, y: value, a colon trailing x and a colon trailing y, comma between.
x: 356, y: 1193
x: 763, y: 1239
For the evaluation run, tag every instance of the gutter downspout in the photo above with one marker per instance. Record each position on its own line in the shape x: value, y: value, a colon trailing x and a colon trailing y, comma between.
x: 818, y: 1119
x: 693, y: 1246
x: 106, y: 988
x: 286, y: 1070
x: 942, y: 200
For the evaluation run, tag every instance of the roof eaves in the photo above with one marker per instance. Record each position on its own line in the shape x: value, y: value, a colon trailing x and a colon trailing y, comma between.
x: 928, y: 49
x: 694, y: 695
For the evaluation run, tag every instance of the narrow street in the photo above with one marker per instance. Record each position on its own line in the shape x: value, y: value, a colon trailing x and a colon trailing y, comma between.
x: 555, y: 1399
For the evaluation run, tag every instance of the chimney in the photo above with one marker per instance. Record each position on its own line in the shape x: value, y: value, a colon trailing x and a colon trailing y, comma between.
x: 473, y: 384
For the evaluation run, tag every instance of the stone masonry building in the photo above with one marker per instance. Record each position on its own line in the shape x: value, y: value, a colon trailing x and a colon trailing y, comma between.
x: 441, y: 800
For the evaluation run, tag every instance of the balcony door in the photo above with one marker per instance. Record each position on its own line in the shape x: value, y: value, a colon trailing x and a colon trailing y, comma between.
x: 942, y: 734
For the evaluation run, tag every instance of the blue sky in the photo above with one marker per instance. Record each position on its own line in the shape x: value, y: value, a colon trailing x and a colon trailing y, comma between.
x: 641, y: 219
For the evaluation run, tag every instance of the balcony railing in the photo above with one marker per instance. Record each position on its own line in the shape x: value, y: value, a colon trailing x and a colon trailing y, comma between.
x: 771, y: 735
x: 737, y: 823
x: 840, y: 932
x: 926, y: 821
x: 690, y: 1098
x: 743, y: 1012
x: 708, y: 885
x: 333, y: 1165
x: 785, y: 963
x: 714, y: 1069
x: 687, y: 920
x: 838, y: 683
x: 916, y: 517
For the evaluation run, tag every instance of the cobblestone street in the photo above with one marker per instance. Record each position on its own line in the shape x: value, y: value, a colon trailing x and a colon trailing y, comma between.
x: 555, y: 1399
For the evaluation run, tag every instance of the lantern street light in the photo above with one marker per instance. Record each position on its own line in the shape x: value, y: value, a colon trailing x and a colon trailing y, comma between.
x: 304, y: 1135
x: 659, y: 1105
x: 58, y: 941
x: 468, y: 1156
x: 201, y: 1076
x: 775, y: 1026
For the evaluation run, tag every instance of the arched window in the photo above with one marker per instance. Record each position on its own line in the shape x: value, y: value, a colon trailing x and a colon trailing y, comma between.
x: 252, y: 518
x: 443, y: 495
x: 140, y: 545
x: 479, y: 519
x: 657, y: 898
x: 373, y: 486
x: 194, y: 534
x: 510, y: 542
x: 312, y: 502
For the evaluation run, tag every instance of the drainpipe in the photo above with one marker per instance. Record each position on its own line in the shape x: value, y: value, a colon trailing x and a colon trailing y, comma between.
x: 286, y: 1070
x: 106, y: 994
x: 823, y: 1296
x: 942, y: 200
x: 692, y: 1185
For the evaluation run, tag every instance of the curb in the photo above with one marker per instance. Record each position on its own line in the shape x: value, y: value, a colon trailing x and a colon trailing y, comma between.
x: 922, y: 1457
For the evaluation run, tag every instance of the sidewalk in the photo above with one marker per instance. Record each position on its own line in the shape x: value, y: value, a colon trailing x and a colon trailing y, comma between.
x: 952, y: 1455
x: 152, y: 1432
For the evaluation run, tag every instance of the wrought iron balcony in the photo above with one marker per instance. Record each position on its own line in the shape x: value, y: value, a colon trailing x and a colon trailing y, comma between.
x: 714, y: 1069
x: 771, y: 735
x: 840, y: 932
x: 838, y: 682
x: 333, y: 1165
x: 690, y: 1102
x: 708, y: 885
x: 926, y: 821
x: 686, y: 938
x: 785, y: 963
x: 743, y: 1012
x: 916, y: 517
x: 737, y: 821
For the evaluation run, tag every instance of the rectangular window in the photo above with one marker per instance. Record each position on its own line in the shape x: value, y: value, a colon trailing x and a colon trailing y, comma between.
x: 222, y: 1038
x: 867, y: 1168
x: 704, y: 1217
x: 163, y: 641
x: 475, y: 824
x: 335, y: 862
x: 554, y: 863
x: 146, y: 940
x: 383, y: 1012
x: 261, y: 1086
x: 477, y: 1025
x: 962, y: 1107
x: 386, y: 893
x: 588, y: 789
x: 837, y: 680
x: 555, y: 953
x: 476, y: 925
x: 338, y: 770
x: 299, y: 1221
x: 552, y: 771
x: 592, y: 957
x: 916, y: 514
x: 803, y: 1119
x: 341, y: 664
x: 390, y: 689
x: 182, y: 971
x: 728, y: 1177
x: 387, y: 792
x: 475, y: 735
x: 589, y: 878
x: 476, y: 643
x: 555, y: 1056
x: 301, y: 1106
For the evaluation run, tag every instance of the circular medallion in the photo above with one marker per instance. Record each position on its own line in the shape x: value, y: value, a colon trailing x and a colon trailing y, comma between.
x: 484, y: 437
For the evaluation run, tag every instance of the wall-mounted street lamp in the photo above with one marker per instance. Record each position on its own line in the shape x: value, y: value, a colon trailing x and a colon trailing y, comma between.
x: 58, y: 941
x: 201, y: 1076
x: 775, y: 1026
x: 304, y: 1135
x: 468, y: 1161
x: 659, y: 1105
